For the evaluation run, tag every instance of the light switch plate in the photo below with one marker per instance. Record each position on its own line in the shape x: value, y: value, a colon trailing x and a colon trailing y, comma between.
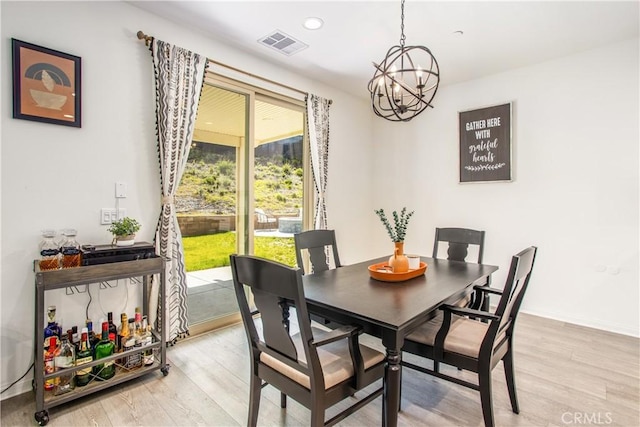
x: 108, y: 215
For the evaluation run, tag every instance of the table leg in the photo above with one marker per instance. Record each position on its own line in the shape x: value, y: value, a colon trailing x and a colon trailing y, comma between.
x: 391, y: 392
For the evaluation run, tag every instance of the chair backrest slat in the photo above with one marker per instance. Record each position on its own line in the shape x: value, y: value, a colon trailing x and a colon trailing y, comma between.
x: 275, y: 327
x: 459, y: 240
x: 512, y: 295
x: 272, y: 285
x: 321, y: 245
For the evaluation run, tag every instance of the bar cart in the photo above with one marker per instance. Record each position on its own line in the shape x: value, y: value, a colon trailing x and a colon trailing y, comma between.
x: 46, y: 280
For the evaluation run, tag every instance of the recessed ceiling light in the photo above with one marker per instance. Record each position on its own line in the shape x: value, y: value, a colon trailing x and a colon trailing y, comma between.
x: 313, y: 23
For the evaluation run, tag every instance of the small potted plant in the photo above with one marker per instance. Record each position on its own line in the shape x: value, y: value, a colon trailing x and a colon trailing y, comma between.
x: 124, y: 231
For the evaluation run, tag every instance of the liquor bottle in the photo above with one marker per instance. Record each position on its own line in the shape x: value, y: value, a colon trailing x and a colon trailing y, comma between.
x: 137, y: 320
x: 66, y: 358
x: 132, y: 327
x: 93, y: 339
x: 52, y: 329
x: 76, y: 338
x: 104, y: 348
x: 112, y: 326
x: 71, y: 254
x: 133, y: 360
x: 147, y: 340
x: 83, y: 376
x: 49, y: 363
x: 138, y: 332
x: 49, y: 251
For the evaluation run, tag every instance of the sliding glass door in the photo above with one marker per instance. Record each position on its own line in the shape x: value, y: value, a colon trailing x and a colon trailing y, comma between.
x: 211, y: 206
x: 278, y: 189
x: 243, y: 191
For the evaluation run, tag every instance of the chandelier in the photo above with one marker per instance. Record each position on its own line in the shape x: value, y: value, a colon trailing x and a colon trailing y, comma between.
x: 405, y: 82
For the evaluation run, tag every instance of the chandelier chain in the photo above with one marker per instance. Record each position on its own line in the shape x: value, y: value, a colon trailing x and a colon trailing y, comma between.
x: 402, y: 36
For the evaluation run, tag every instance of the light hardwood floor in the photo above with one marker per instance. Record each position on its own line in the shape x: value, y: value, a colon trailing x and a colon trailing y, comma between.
x: 566, y: 375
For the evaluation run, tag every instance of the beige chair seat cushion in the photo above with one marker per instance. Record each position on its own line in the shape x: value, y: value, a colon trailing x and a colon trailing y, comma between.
x: 334, y: 358
x: 465, y: 335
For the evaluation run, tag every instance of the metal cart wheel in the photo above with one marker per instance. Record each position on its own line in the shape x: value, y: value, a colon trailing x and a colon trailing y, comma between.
x: 42, y: 417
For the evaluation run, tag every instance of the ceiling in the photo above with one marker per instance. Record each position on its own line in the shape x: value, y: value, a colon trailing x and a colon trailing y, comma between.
x: 497, y: 35
x: 222, y: 119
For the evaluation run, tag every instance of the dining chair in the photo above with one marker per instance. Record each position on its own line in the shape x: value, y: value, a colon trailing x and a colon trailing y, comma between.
x: 318, y: 368
x: 455, y: 338
x: 458, y: 241
x: 322, y: 251
x: 316, y: 242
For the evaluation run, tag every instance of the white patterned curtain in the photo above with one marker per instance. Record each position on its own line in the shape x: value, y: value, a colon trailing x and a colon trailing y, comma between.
x: 318, y: 131
x: 179, y: 77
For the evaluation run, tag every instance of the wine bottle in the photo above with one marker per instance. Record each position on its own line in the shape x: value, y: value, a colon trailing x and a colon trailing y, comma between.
x: 104, y: 348
x: 49, y: 363
x: 123, y: 332
x: 65, y: 359
x: 121, y: 338
x: 83, y: 376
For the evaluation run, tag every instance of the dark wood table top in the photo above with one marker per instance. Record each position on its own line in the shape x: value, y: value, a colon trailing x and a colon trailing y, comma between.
x: 350, y: 290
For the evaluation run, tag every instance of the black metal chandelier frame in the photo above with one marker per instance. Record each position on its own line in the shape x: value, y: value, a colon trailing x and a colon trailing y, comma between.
x: 400, y: 89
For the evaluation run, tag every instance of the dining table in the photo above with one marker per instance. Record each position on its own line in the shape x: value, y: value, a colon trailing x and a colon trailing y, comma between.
x: 390, y: 310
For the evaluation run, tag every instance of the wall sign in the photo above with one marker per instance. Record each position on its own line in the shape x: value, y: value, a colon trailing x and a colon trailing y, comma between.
x: 485, y: 144
x: 46, y: 85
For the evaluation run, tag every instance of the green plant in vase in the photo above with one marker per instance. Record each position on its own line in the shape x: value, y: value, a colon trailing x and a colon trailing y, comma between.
x: 398, y: 261
x: 124, y: 231
x: 400, y: 222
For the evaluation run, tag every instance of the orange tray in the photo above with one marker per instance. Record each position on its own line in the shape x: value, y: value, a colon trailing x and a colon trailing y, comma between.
x: 381, y: 271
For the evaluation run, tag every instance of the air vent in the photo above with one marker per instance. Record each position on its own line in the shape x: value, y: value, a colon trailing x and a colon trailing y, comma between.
x: 282, y: 42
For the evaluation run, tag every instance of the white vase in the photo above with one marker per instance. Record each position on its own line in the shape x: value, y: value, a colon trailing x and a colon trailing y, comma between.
x: 128, y: 240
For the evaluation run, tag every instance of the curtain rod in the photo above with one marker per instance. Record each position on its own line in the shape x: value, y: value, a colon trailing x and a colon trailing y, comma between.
x: 147, y: 39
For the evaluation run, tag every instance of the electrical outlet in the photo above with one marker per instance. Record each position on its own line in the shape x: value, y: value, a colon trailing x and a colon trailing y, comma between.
x: 109, y: 215
x: 121, y: 190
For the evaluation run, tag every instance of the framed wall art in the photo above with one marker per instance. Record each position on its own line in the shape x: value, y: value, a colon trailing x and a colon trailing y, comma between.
x: 485, y: 144
x: 46, y: 85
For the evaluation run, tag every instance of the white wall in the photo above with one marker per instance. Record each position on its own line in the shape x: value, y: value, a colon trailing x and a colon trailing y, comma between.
x: 57, y: 176
x: 575, y: 188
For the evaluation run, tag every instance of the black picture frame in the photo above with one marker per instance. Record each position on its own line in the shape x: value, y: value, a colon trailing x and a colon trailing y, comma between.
x: 46, y: 85
x: 485, y: 144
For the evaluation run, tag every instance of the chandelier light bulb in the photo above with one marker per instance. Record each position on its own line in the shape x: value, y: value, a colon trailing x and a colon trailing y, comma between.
x: 396, y: 93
